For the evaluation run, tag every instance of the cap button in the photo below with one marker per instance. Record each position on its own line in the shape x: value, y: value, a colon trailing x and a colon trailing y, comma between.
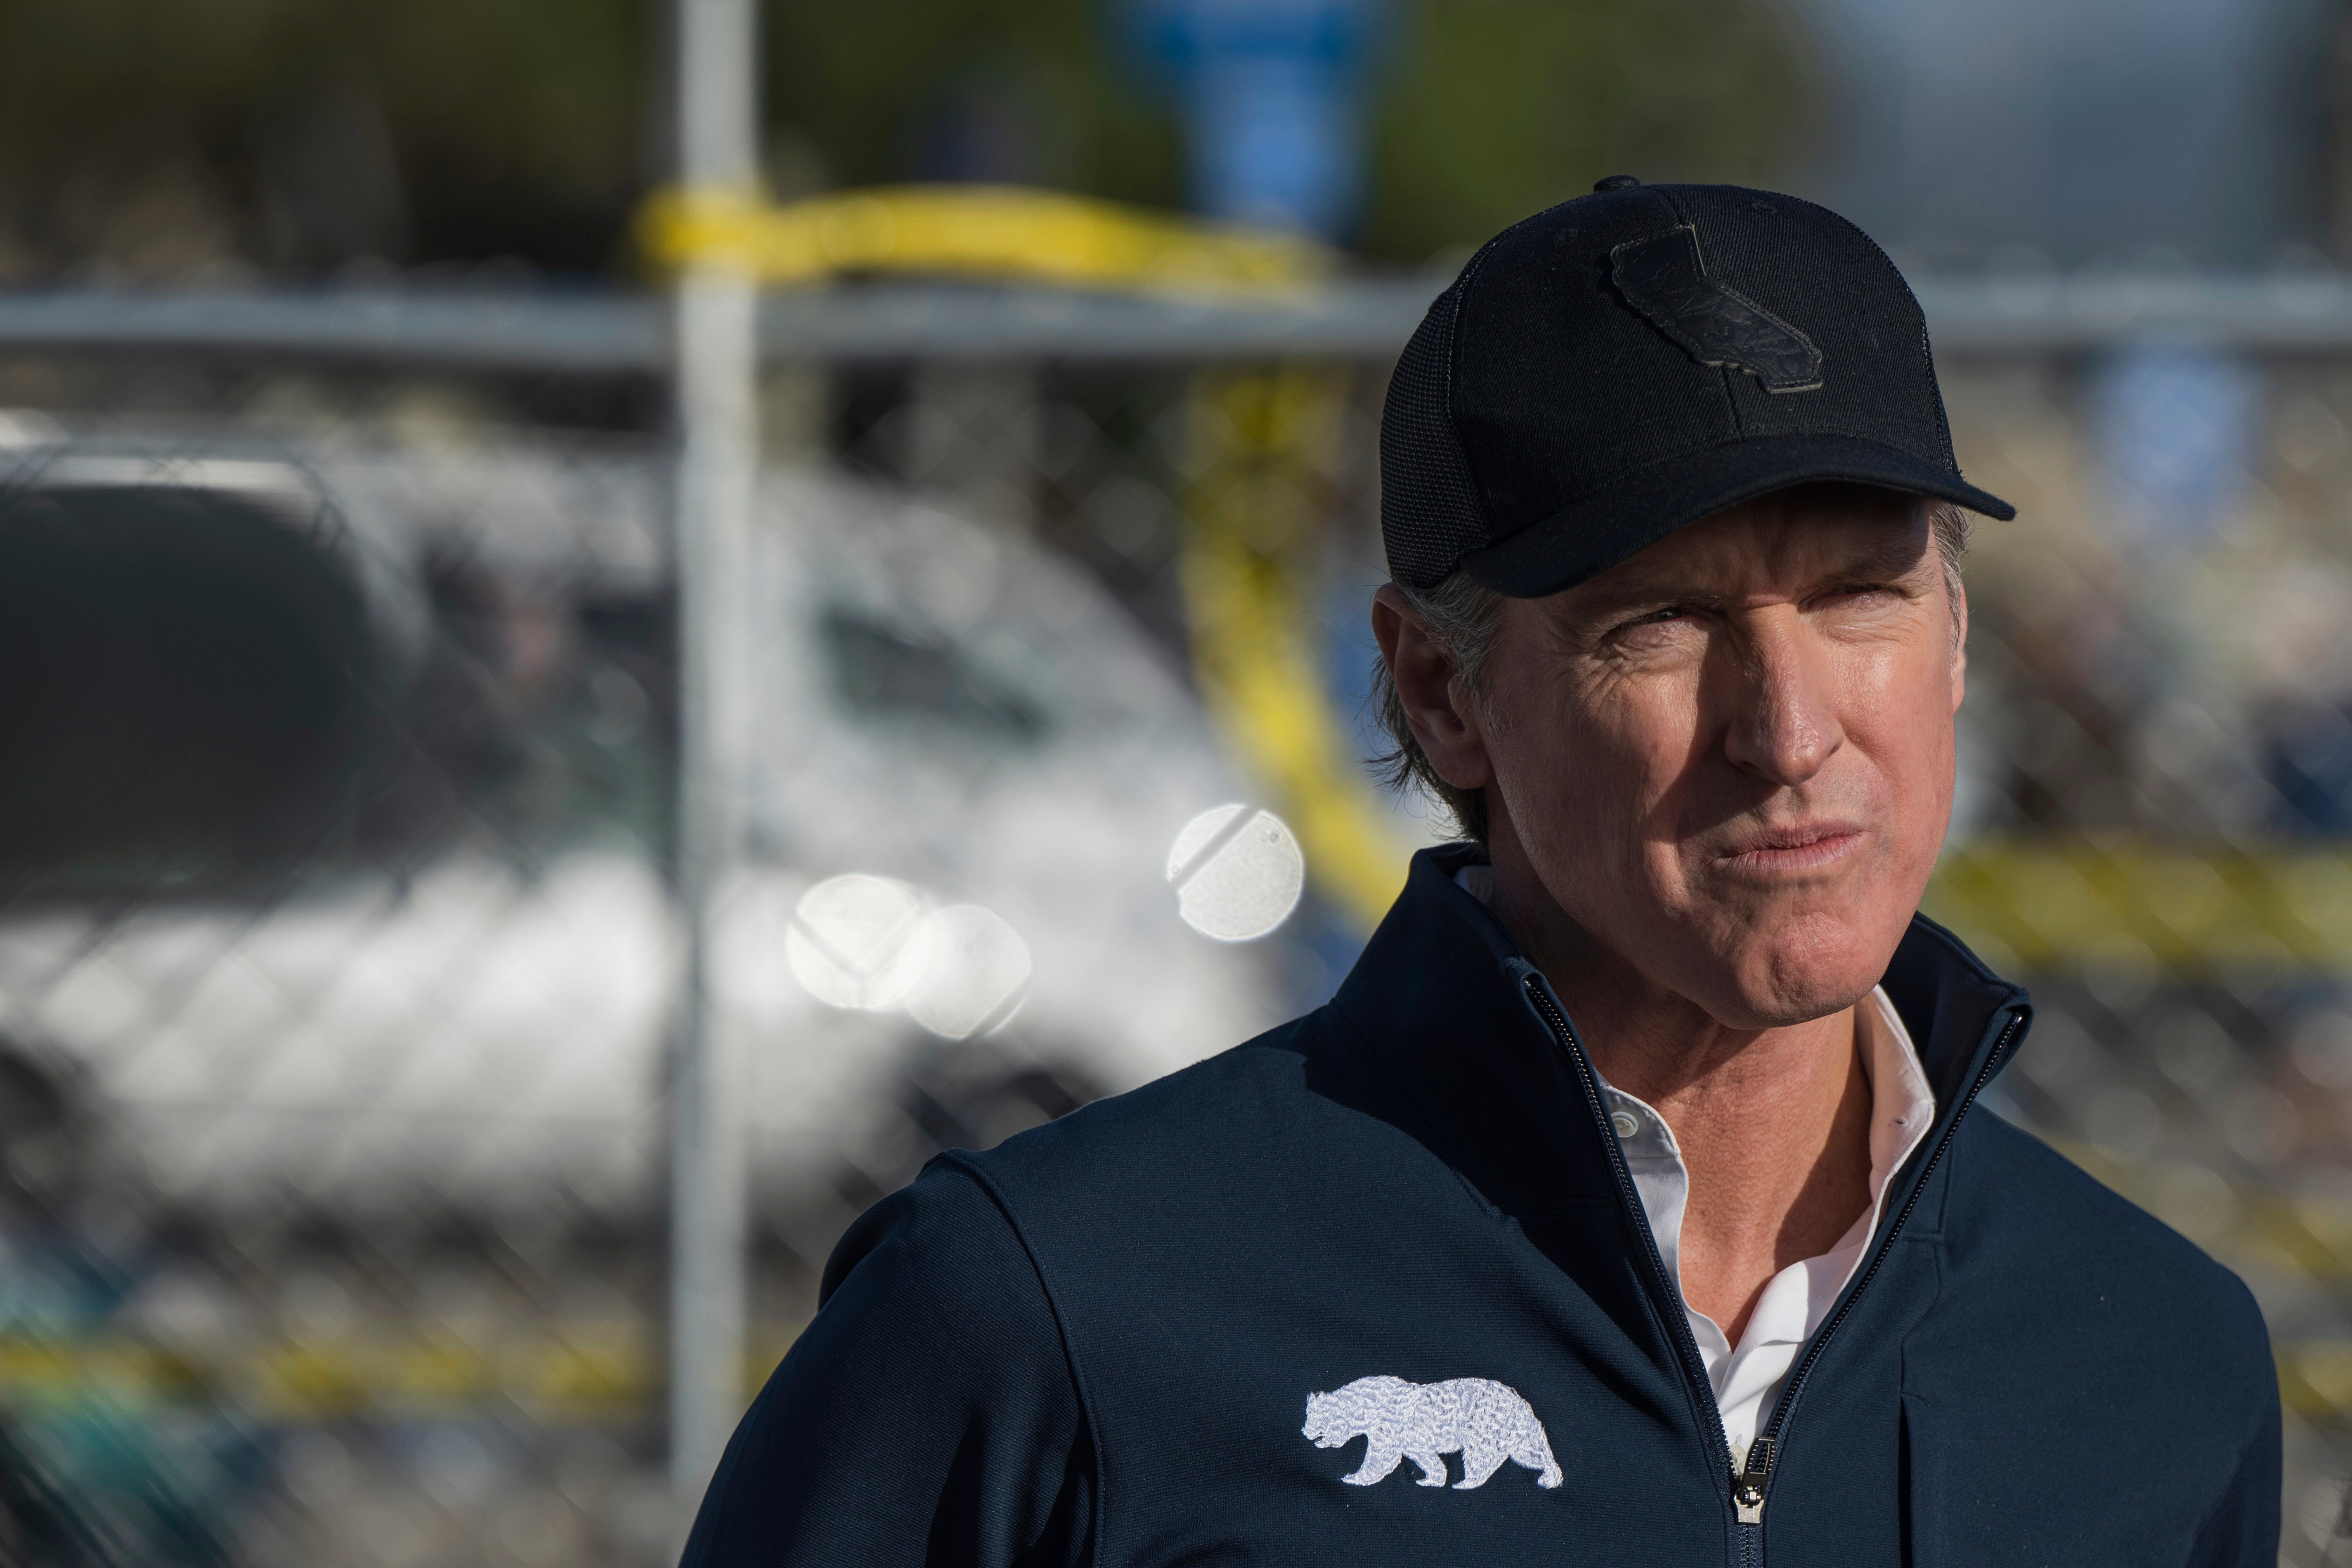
x: 1615, y: 183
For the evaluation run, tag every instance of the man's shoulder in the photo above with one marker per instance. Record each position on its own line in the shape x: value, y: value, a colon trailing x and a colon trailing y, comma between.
x: 1177, y: 1121
x: 1111, y: 1182
x: 2048, y: 1230
x: 2067, y: 1324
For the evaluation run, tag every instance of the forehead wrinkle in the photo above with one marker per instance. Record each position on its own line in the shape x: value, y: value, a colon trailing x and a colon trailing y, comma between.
x: 1710, y: 570
x: 1848, y: 543
x: 1883, y: 553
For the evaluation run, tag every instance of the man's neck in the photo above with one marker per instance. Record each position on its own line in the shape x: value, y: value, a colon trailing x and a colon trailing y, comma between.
x: 1773, y: 1124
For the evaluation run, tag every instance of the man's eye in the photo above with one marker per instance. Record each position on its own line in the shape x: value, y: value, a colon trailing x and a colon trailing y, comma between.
x: 1629, y: 633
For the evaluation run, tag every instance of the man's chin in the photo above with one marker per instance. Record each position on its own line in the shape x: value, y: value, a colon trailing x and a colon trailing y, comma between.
x: 1801, y: 976
x: 1753, y: 1010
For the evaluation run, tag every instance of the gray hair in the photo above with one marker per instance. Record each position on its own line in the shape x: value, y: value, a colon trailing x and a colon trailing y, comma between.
x: 1464, y: 619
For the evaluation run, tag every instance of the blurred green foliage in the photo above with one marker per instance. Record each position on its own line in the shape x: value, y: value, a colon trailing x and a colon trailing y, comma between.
x: 165, y: 136
x: 1025, y: 92
x: 162, y: 138
x: 1496, y: 109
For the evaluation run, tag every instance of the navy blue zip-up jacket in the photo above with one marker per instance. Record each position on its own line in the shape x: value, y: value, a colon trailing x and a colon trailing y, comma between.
x: 1096, y: 1344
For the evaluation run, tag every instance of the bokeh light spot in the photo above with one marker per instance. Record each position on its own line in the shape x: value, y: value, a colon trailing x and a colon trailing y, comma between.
x: 859, y: 941
x: 977, y: 971
x: 1237, y: 872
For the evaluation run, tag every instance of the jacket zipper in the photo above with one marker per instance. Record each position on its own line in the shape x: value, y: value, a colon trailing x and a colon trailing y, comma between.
x: 1782, y: 1408
x: 1749, y: 1482
x: 1686, y: 1343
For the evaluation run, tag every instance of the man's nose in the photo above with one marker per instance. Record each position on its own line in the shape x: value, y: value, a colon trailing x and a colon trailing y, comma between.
x: 1784, y: 720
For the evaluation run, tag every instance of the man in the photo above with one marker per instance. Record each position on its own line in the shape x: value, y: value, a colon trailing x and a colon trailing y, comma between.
x: 1628, y: 1190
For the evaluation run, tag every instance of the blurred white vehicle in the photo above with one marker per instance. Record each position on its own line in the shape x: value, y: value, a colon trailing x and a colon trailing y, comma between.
x: 970, y: 766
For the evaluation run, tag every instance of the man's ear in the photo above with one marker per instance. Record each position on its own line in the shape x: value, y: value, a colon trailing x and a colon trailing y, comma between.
x: 1957, y: 597
x: 1444, y: 718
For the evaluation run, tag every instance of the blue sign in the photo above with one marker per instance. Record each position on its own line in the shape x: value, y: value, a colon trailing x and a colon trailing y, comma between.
x: 1273, y: 102
x: 2176, y: 426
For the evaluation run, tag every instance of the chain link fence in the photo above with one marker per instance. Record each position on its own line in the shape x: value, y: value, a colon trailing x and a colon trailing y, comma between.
x: 339, y: 958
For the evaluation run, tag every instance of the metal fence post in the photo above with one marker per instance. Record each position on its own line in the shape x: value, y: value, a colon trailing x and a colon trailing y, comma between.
x: 718, y: 456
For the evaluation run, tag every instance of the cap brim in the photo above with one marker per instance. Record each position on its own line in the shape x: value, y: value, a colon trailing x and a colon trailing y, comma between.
x: 1581, y: 542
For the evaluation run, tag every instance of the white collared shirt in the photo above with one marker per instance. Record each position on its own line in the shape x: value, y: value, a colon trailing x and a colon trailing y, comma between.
x: 1748, y: 1377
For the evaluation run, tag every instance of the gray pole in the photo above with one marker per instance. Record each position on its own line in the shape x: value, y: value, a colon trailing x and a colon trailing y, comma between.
x: 717, y: 331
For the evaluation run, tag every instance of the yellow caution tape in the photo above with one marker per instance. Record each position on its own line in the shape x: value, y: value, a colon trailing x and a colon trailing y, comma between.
x: 2163, y: 910
x: 2315, y: 1378
x: 995, y: 232
x: 587, y: 1375
x: 1252, y: 528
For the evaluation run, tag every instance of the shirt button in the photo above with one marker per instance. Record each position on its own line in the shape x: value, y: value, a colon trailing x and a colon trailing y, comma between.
x: 1625, y: 1123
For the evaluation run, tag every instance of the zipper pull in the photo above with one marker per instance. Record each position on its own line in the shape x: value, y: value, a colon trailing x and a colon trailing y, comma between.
x: 1747, y: 1485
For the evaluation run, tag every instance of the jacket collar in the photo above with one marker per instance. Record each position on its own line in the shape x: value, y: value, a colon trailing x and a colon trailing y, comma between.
x: 1441, y: 1000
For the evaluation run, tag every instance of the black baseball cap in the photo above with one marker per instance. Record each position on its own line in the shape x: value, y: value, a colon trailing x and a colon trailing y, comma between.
x: 1628, y: 363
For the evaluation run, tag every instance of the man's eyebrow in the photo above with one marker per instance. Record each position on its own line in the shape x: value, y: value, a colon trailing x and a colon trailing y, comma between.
x: 1879, y: 560
x: 1606, y: 598
x: 1885, y: 557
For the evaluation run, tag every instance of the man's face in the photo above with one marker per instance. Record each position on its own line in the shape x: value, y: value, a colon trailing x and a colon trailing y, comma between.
x: 1729, y: 759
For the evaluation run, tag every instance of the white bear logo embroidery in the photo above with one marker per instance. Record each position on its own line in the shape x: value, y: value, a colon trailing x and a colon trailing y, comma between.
x: 1484, y: 1421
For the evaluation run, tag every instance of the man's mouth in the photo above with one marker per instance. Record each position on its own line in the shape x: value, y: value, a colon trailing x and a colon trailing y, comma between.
x: 1792, y: 846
